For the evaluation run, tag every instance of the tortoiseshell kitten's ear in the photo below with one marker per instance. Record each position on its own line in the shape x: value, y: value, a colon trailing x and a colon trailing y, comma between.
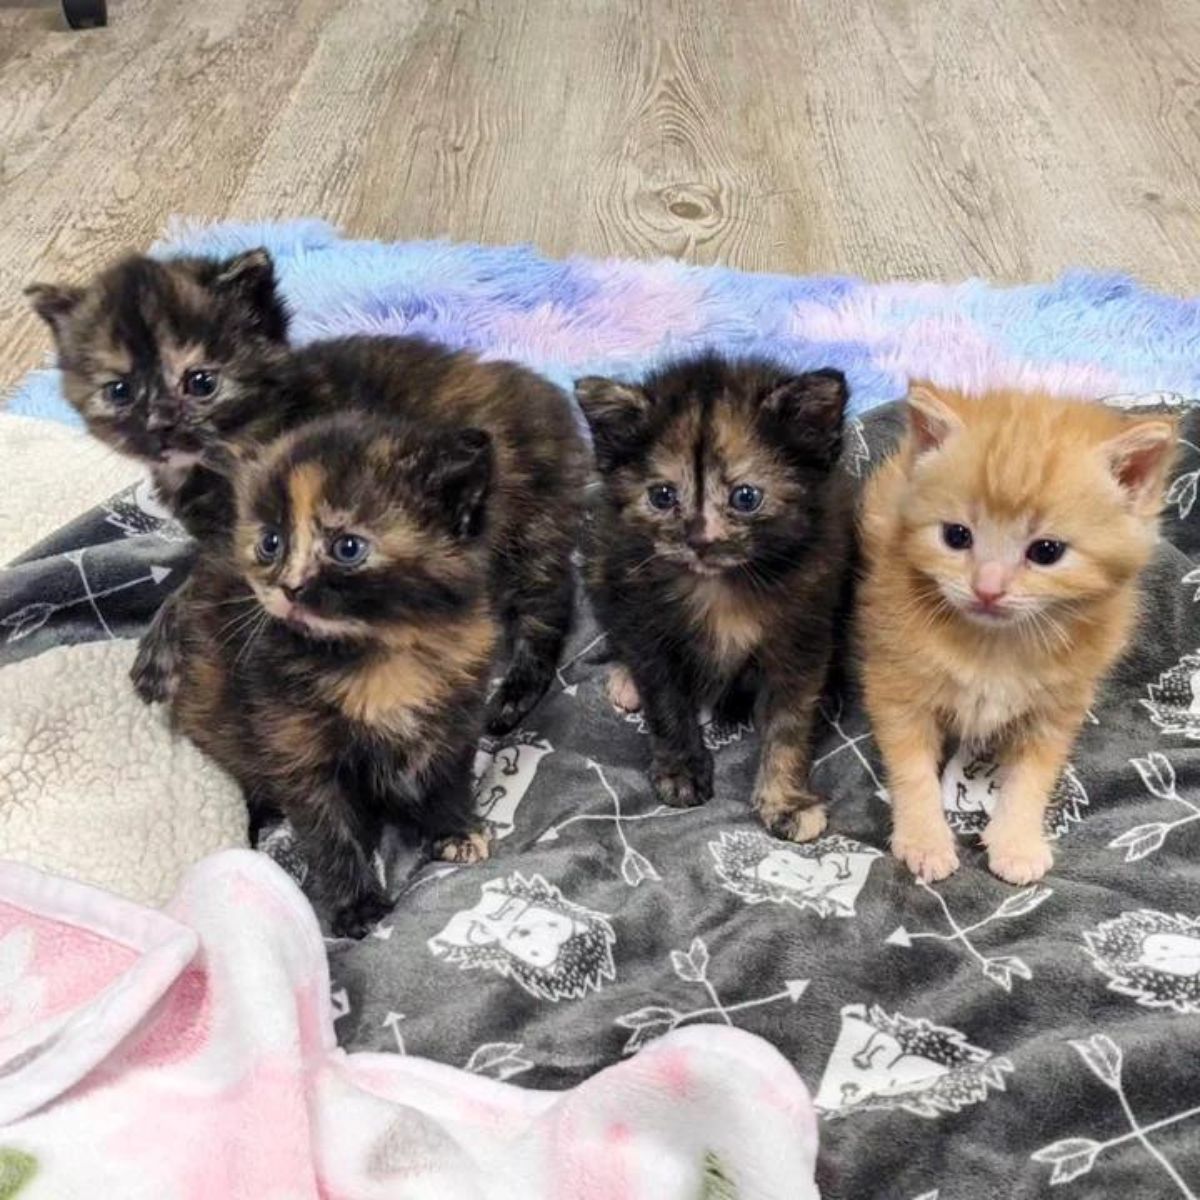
x: 808, y: 411
x: 249, y: 279
x: 617, y: 414
x: 459, y: 469
x: 54, y: 304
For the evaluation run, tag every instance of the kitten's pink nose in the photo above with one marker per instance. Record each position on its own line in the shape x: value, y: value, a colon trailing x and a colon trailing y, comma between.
x: 702, y: 531
x: 990, y: 583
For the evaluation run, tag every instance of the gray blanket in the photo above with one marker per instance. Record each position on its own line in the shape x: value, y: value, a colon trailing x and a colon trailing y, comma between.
x: 963, y: 1041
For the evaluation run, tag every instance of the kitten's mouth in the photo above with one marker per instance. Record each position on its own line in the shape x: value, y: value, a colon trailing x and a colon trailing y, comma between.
x: 301, y: 620
x: 987, y: 615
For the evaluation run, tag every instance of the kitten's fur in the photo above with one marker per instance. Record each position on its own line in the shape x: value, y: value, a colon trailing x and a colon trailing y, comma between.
x: 358, y: 698
x: 702, y: 603
x: 141, y: 319
x: 982, y: 643
x: 153, y: 327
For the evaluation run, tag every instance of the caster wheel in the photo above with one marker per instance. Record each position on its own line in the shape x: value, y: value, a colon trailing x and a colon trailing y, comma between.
x: 85, y: 14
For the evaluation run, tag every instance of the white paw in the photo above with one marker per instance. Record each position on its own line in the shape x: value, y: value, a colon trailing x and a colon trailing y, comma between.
x: 1017, y: 855
x: 929, y: 853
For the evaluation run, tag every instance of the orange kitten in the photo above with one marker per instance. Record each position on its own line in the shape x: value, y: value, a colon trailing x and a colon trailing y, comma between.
x: 1003, y: 542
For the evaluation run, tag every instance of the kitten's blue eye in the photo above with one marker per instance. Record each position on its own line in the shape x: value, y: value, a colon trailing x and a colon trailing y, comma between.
x: 349, y: 549
x: 957, y: 537
x: 118, y: 391
x: 268, y: 547
x: 1045, y: 552
x: 662, y: 496
x: 746, y: 498
x: 200, y: 383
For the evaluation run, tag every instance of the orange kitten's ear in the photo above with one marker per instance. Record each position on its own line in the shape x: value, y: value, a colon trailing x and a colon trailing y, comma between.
x: 930, y: 419
x: 1140, y: 459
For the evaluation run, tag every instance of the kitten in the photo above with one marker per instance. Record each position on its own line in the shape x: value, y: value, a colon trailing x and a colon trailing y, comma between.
x: 718, y: 552
x: 1003, y: 542
x: 336, y: 655
x: 130, y: 348
x: 164, y: 359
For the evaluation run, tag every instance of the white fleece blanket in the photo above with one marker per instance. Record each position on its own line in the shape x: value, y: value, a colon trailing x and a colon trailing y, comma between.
x: 190, y: 1055
x: 92, y: 784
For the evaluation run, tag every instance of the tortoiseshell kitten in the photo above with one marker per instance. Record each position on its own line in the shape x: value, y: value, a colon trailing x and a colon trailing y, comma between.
x: 336, y: 653
x: 719, y: 551
x: 139, y: 328
x: 163, y: 360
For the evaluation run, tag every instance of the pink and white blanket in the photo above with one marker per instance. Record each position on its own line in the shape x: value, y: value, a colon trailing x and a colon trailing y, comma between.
x: 190, y: 1054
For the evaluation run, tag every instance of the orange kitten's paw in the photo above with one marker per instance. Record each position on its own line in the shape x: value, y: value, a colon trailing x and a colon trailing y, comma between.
x: 472, y: 847
x: 622, y: 691
x: 1017, y: 855
x: 929, y: 853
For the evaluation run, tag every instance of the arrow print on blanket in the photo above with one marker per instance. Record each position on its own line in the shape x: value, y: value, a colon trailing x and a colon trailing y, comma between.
x: 833, y: 717
x: 567, y: 686
x: 392, y: 1022
x: 499, y: 1060
x: 31, y: 617
x: 339, y: 1001
x: 635, y: 866
x: 692, y: 967
x: 1182, y: 492
x: 1076, y: 1156
x: 999, y: 969
x: 1159, y: 777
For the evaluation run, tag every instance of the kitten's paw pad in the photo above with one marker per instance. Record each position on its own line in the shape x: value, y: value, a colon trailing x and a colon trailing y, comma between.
x: 1018, y: 856
x: 622, y: 691
x: 683, y: 786
x: 359, y: 917
x: 930, y: 854
x: 466, y: 848
x: 798, y: 824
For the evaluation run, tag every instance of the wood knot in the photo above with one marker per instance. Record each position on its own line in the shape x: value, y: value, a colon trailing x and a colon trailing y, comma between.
x: 691, y: 202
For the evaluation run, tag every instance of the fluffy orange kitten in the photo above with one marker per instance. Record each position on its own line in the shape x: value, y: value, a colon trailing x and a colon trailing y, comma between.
x: 1003, y: 544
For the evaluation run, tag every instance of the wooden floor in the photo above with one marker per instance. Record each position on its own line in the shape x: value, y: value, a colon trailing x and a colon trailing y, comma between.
x: 892, y: 138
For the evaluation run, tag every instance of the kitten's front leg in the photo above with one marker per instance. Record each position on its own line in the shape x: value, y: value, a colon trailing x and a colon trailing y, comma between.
x: 538, y: 634
x: 449, y: 819
x: 1015, y: 837
x: 681, y: 768
x: 782, y: 797
x: 338, y: 843
x: 910, y: 741
x: 155, y: 670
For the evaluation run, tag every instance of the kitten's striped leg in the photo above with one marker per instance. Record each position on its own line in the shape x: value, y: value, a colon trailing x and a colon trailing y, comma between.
x: 155, y: 670
x: 338, y: 843
x: 539, y: 629
x: 910, y: 741
x: 1015, y: 837
x: 782, y: 797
